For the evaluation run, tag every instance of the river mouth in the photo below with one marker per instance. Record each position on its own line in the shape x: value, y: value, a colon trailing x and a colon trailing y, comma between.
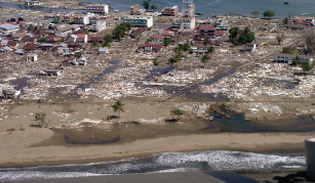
x: 126, y: 132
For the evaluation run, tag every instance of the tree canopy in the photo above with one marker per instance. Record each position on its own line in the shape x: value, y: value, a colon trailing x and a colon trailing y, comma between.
x: 155, y: 7
x: 107, y: 40
x: 167, y: 41
x: 309, y: 39
x: 118, y: 107
x: 238, y: 36
x: 146, y: 4
x: 120, y: 30
x: 269, y: 13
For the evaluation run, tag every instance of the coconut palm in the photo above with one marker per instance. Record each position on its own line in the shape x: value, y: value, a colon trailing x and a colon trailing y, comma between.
x: 204, y: 59
x: 177, y: 112
x: 210, y: 51
x: 118, y: 107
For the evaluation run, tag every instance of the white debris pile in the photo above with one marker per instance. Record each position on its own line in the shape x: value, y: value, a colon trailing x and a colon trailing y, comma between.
x: 122, y: 82
x: 63, y: 115
x: 186, y: 77
x: 257, y: 107
x: 244, y: 85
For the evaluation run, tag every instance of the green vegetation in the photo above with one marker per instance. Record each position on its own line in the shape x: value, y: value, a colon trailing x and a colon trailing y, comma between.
x: 204, y: 59
x: 146, y: 4
x: 309, y: 39
x: 269, y: 13
x: 78, y: 54
x: 280, y: 37
x: 186, y: 47
x: 155, y: 7
x: 43, y: 40
x: 177, y: 112
x: 148, y: 40
x: 32, y: 27
x: 121, y: 30
x: 238, y: 36
x: 224, y: 107
x: 118, y: 107
x: 107, y: 40
x: 210, y: 51
x: 94, y: 44
x: 167, y: 41
x: 155, y: 62
x: 285, y: 21
x: 306, y: 66
x: 40, y: 119
x: 206, y: 42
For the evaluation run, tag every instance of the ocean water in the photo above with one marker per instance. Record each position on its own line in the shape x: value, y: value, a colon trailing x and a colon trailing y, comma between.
x: 243, y: 7
x: 165, y: 162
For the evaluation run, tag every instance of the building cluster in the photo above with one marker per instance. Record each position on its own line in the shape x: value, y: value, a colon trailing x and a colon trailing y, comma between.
x: 309, y: 21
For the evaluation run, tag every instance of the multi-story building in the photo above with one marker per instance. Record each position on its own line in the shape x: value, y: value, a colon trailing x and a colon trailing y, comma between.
x: 32, y: 3
x: 80, y: 20
x: 139, y: 21
x: 97, y: 8
x: 170, y: 11
x: 134, y: 9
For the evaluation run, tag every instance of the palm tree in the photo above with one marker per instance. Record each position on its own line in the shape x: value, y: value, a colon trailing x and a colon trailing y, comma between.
x: 210, y: 51
x: 118, y: 107
x: 177, y: 112
x: 204, y: 59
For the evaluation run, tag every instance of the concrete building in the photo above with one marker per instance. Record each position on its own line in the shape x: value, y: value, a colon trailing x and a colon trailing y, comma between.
x: 97, y: 8
x: 32, y: 3
x: 288, y: 58
x: 139, y: 21
x: 7, y: 28
x: 100, y: 25
x: 32, y: 58
x: 170, y: 11
x: 134, y: 9
x: 103, y: 50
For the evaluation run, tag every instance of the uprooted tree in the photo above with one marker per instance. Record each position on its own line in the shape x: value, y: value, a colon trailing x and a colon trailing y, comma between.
x: 309, y: 39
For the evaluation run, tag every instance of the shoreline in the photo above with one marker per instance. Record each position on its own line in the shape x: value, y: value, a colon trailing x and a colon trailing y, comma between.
x: 58, y: 155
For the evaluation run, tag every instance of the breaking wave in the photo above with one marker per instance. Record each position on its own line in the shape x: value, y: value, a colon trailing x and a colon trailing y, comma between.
x: 165, y: 162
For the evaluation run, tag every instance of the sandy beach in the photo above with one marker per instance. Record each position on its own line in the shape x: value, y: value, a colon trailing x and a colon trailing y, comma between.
x: 141, y: 131
x: 15, y: 150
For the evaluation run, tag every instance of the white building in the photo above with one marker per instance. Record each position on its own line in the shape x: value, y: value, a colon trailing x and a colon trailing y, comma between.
x: 7, y: 28
x: 32, y: 57
x: 100, y: 25
x: 97, y: 8
x: 288, y: 58
x: 139, y: 21
x: 32, y: 3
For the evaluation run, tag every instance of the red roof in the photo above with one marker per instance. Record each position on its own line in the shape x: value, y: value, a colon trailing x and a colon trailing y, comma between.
x: 219, y: 33
x: 81, y: 35
x: 157, y: 36
x: 148, y: 45
x: 30, y: 46
x: 140, y: 30
x: 157, y: 46
x: 12, y: 43
x: 207, y: 28
x: 96, y: 39
x: 28, y: 39
x: 74, y: 45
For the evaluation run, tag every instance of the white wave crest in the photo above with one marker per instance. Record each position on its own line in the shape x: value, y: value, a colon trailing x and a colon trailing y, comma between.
x: 230, y: 160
